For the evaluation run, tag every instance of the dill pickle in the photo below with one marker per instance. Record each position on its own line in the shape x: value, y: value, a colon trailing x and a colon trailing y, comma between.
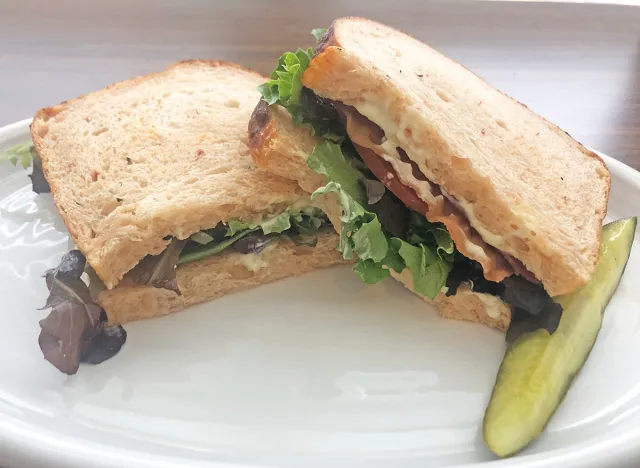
x: 538, y: 368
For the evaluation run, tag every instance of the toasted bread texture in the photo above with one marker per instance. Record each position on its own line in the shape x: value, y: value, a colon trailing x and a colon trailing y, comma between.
x: 219, y: 275
x: 465, y: 304
x: 272, y: 132
x: 526, y: 186
x: 278, y: 146
x: 153, y: 157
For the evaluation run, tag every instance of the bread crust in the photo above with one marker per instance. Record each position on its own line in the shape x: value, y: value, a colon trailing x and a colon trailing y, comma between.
x: 217, y: 276
x: 281, y: 148
x: 153, y: 157
x: 477, y: 143
x: 272, y: 131
x: 465, y: 304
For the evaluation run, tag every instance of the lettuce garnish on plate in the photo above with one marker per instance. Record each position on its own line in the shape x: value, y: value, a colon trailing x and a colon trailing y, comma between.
x: 25, y: 154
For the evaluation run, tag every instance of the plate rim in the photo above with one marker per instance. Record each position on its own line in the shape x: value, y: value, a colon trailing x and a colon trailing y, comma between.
x: 35, y: 445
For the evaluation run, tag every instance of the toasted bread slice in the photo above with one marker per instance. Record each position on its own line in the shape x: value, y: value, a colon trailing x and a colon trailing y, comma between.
x: 153, y: 157
x: 525, y: 185
x: 278, y: 146
x: 219, y: 275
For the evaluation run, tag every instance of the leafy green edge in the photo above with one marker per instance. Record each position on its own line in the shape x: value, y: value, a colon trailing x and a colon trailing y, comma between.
x: 306, y: 220
x: 21, y: 153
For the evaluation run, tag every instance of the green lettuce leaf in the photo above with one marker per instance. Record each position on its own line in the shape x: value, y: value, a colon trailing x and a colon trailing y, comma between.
x: 361, y: 233
x: 318, y: 33
x: 285, y: 86
x: 300, y: 226
x: 22, y: 153
x: 433, y: 234
x: 351, y: 209
x: 312, y: 211
x: 309, y: 220
x: 277, y: 224
x: 370, y: 272
x: 446, y: 247
x: 201, y: 237
x: 428, y: 270
x: 212, y: 248
x: 234, y: 226
x: 369, y: 242
x: 306, y: 223
x: 393, y: 260
x: 302, y: 240
x: 328, y: 159
x: 350, y: 219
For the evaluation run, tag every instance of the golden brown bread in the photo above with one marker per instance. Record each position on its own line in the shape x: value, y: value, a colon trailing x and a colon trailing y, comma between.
x: 526, y: 186
x: 166, y: 155
x: 153, y: 157
x: 219, y: 275
x: 278, y: 146
x: 465, y: 304
x: 272, y: 131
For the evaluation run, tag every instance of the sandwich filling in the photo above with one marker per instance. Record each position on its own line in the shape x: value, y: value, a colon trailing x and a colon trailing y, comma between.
x: 391, y: 165
x: 301, y: 226
x: 393, y: 216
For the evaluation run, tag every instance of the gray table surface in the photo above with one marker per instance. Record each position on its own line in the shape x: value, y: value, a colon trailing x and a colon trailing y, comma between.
x: 578, y: 65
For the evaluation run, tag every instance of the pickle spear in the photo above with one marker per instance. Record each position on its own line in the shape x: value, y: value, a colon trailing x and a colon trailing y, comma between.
x: 538, y: 368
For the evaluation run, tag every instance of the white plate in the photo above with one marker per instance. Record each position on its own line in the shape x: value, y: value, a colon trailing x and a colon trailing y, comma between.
x: 316, y: 371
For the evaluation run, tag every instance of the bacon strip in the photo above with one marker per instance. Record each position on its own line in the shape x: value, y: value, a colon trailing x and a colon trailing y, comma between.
x: 423, y: 196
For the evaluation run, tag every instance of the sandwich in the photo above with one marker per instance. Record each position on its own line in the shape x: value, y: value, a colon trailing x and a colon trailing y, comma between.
x: 373, y: 149
x: 155, y: 183
x: 433, y: 177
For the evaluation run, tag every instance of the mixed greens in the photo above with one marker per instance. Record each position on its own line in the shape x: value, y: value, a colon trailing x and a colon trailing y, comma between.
x: 26, y: 155
x: 75, y: 330
x: 306, y: 108
x: 159, y: 271
x: 370, y: 228
x: 253, y: 237
x: 425, y: 248
x: 22, y: 153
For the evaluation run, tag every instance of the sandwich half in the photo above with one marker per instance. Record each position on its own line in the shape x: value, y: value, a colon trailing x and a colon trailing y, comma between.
x: 281, y: 147
x: 437, y: 178
x: 154, y: 180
